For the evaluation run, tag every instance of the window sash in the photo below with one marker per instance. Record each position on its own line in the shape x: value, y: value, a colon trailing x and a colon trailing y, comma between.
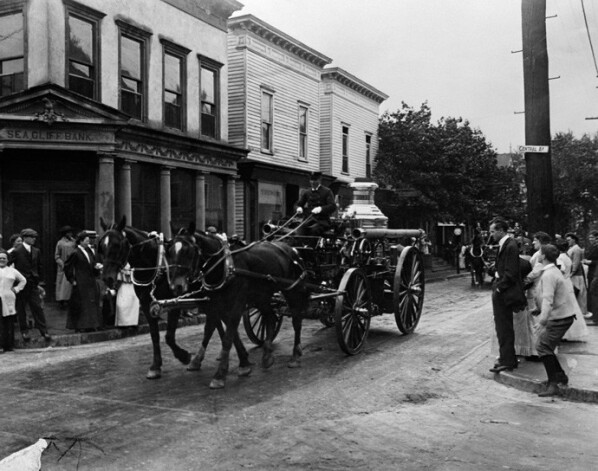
x: 302, y: 132
x: 368, y: 157
x: 345, y: 167
x: 132, y: 76
x: 209, y: 97
x: 267, y: 101
x: 82, y: 66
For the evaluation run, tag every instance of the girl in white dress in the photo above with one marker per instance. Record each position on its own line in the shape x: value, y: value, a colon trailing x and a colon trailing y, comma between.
x: 127, y: 302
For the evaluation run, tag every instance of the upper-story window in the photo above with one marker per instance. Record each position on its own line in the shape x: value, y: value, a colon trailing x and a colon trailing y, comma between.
x: 83, y: 49
x: 12, y: 54
x: 345, y: 166
x: 174, y: 93
x: 303, y: 132
x: 267, y: 120
x: 210, y: 97
x: 368, y: 155
x: 133, y: 70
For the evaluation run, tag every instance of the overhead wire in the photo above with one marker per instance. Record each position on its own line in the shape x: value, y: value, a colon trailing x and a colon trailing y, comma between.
x: 585, y: 19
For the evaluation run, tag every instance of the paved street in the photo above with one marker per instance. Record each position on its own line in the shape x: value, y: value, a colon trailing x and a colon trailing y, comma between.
x: 426, y: 401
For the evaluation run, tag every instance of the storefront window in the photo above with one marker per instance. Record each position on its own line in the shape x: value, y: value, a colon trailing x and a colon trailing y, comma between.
x: 182, y: 197
x: 145, y: 195
x: 215, y: 202
x: 270, y: 202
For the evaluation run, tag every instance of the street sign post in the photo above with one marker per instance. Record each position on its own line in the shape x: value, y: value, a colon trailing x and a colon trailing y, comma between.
x: 534, y: 149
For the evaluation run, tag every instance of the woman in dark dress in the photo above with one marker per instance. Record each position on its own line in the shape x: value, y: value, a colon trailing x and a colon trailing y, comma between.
x: 81, y: 270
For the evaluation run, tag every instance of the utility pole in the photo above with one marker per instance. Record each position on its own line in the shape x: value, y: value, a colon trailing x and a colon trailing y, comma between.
x: 540, y: 206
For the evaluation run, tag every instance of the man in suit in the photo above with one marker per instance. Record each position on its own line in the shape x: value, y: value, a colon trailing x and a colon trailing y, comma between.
x: 507, y: 280
x: 27, y: 260
x: 318, y: 202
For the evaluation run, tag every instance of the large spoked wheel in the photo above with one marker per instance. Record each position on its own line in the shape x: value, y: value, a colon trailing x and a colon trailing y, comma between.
x: 255, y: 327
x: 408, y: 289
x: 352, y: 311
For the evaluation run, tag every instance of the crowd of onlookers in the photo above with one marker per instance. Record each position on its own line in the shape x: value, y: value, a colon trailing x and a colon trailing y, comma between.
x: 79, y: 289
x: 543, y: 290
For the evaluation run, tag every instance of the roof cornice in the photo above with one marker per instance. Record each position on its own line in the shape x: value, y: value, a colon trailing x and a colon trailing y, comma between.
x: 345, y: 78
x: 278, y: 38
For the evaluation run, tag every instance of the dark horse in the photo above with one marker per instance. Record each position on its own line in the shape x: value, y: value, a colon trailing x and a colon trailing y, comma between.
x: 121, y: 243
x: 236, y: 279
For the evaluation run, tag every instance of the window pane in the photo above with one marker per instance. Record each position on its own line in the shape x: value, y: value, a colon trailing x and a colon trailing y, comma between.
x: 266, y: 107
x: 172, y: 98
x: 81, y: 40
x: 12, y: 67
x: 130, y: 57
x: 303, y: 120
x: 80, y: 69
x: 131, y: 103
x: 208, y: 125
x: 172, y: 116
x: 81, y: 85
x: 172, y: 73
x: 208, y: 91
x: 11, y: 36
x: 303, y: 146
x: 207, y: 109
x: 266, y: 136
x: 130, y: 85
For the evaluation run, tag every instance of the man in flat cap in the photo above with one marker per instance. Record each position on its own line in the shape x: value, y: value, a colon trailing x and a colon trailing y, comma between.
x: 27, y: 260
x: 64, y: 247
x: 318, y: 202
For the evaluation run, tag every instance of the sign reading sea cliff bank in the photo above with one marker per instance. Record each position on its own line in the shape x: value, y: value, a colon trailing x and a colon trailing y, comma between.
x: 46, y: 135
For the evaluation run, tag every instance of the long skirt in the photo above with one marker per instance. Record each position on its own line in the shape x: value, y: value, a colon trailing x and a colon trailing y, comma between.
x: 525, y: 340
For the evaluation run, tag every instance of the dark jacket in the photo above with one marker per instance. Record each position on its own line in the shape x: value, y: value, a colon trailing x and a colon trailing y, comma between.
x: 84, y: 312
x: 509, y: 281
x: 28, y: 264
x: 311, y: 199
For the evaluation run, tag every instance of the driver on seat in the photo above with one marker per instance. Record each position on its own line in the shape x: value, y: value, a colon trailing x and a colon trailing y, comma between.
x: 318, y: 201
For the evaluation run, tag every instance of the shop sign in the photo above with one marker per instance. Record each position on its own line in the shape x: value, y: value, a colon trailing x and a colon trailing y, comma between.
x: 80, y: 137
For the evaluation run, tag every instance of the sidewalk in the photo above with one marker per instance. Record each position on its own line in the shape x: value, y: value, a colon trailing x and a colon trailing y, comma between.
x: 578, y: 359
x: 63, y: 337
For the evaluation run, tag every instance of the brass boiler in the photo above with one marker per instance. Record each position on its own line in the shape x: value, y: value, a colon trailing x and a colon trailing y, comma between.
x: 387, y: 233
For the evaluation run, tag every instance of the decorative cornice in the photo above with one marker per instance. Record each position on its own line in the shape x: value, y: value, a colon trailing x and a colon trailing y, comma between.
x: 213, y: 12
x: 49, y: 114
x: 345, y: 78
x: 169, y: 153
x: 276, y: 37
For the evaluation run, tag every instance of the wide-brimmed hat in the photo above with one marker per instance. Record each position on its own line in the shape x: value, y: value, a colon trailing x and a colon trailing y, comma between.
x: 65, y: 230
x: 29, y: 233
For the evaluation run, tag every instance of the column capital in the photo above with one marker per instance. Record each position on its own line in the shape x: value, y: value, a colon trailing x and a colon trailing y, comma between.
x: 106, y: 158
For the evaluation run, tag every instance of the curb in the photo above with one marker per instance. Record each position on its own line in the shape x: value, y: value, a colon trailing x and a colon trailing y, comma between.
x: 535, y: 386
x: 114, y: 333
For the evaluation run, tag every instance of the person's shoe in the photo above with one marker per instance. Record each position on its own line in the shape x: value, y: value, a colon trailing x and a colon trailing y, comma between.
x: 588, y: 315
x: 562, y: 378
x: 498, y: 368
x: 551, y: 390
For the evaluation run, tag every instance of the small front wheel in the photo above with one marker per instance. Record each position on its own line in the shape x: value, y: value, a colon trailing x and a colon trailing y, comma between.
x: 255, y: 327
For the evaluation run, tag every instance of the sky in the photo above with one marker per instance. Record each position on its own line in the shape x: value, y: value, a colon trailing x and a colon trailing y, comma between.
x: 456, y: 55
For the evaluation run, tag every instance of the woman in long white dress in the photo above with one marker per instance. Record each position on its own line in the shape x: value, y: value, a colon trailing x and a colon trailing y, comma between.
x: 127, y: 302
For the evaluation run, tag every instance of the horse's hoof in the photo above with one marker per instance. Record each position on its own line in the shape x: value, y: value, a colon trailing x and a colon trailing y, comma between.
x: 195, y: 364
x: 267, y: 362
x: 217, y: 384
x: 244, y: 371
x: 294, y: 363
x: 154, y: 374
x: 186, y: 358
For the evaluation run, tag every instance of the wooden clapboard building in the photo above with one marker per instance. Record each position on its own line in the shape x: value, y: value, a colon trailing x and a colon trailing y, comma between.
x: 295, y: 116
x: 108, y: 109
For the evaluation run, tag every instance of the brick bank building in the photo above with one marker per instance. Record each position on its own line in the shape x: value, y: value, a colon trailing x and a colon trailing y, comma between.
x: 104, y: 111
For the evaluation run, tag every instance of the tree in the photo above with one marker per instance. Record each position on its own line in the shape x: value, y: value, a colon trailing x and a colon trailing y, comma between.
x: 449, y: 168
x: 575, y: 185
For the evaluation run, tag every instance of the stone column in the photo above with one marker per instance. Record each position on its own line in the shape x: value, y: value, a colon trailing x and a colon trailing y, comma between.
x: 105, y: 189
x: 230, y: 204
x: 200, y: 201
x: 165, y: 210
x: 124, y: 191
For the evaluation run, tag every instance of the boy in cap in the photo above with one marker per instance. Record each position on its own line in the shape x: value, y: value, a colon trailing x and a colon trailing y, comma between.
x: 318, y: 202
x: 27, y: 260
